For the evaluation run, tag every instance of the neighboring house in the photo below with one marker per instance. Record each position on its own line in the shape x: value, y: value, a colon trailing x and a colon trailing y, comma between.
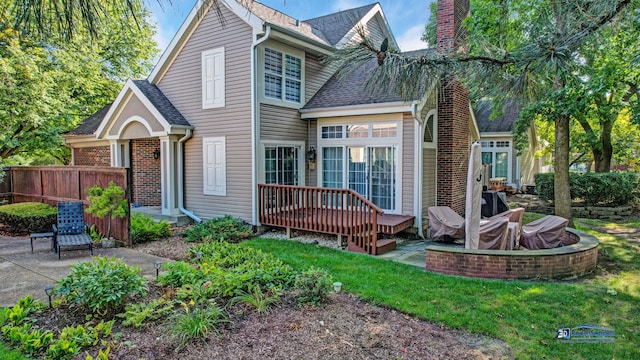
x: 498, y: 149
x: 230, y: 107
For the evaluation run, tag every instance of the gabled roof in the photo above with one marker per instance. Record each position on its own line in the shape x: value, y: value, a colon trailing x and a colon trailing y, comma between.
x: 329, y: 31
x: 89, y: 125
x: 501, y: 124
x: 335, y: 26
x: 161, y: 103
x: 351, y: 89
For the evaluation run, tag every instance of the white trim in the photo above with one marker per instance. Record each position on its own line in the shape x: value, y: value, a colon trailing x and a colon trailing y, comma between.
x: 129, y: 89
x: 352, y: 110
x: 220, y: 143
x: 496, y: 135
x: 294, y: 38
x: 219, y: 74
x: 434, y: 143
x: 82, y: 141
x: 188, y: 27
x: 131, y: 120
x: 365, y: 19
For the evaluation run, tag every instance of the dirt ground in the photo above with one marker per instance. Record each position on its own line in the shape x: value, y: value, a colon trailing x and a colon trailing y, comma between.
x: 345, y: 328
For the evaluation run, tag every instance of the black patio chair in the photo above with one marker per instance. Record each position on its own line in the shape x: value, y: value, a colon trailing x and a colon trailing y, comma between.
x: 71, y: 230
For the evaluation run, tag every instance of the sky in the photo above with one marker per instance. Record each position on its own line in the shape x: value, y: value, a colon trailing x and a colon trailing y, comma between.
x: 406, y: 17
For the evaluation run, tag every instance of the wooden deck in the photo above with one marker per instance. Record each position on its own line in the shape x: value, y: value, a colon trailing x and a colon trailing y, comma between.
x: 340, y: 212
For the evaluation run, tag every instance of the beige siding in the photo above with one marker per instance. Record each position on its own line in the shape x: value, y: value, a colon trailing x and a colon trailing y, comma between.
x: 316, y: 75
x: 428, y: 180
x: 408, y: 152
x: 312, y: 175
x: 134, y: 107
x: 182, y: 85
x: 280, y: 123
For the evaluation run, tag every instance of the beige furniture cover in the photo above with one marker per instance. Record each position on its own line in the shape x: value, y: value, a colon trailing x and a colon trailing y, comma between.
x: 444, y: 221
x: 494, y: 234
x: 514, y: 216
x: 544, y: 233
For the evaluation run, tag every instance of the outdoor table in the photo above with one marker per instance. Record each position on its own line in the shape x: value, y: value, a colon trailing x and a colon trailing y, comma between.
x: 42, y: 235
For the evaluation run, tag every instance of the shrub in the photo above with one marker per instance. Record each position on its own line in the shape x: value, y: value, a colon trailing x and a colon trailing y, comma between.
x: 137, y: 315
x: 107, y: 202
x: 144, y: 228
x: 197, y: 324
x: 313, y: 286
x: 102, y: 284
x: 257, y: 299
x: 28, y: 217
x: 226, y: 228
x: 606, y: 189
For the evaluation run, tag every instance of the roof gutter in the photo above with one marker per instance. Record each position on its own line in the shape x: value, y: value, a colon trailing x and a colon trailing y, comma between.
x: 254, y: 125
x: 320, y: 47
x: 181, y: 142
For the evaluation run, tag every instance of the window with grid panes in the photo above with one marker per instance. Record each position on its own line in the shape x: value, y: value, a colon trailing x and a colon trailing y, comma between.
x: 282, y: 76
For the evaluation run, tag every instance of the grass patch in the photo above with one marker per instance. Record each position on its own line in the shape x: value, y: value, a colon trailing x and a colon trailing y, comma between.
x: 8, y: 354
x: 529, y: 217
x: 524, y: 314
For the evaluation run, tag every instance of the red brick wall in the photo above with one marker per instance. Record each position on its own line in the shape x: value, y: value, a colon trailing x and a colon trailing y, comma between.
x: 145, y: 170
x: 453, y: 112
x: 92, y: 156
x: 518, y: 264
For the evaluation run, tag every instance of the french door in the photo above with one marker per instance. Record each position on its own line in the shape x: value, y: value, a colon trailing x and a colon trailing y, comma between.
x: 282, y: 165
x: 371, y: 171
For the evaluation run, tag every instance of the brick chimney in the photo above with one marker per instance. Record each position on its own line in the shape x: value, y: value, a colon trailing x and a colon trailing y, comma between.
x: 453, y: 111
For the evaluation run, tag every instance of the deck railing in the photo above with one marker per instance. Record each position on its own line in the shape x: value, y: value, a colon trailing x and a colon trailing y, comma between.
x: 330, y: 211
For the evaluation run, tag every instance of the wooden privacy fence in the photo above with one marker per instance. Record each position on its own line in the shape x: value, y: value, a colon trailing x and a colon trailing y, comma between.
x: 51, y: 184
x: 330, y: 211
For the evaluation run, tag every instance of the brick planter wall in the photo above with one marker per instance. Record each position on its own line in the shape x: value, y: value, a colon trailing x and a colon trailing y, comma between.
x: 564, y: 262
x: 92, y: 156
x: 146, y: 181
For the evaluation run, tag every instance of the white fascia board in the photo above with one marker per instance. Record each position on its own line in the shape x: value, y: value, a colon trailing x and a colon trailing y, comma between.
x: 189, y: 26
x: 496, y: 135
x: 474, y: 124
x: 351, y: 110
x: 286, y: 35
x: 77, y: 141
x: 114, y: 108
x: 368, y: 16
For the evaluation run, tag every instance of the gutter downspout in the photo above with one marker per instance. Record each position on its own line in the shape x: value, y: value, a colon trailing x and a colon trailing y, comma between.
x: 254, y: 125
x: 181, y: 142
x: 417, y: 165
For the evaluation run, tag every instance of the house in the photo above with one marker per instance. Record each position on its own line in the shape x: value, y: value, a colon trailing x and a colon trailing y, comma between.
x: 229, y: 107
x: 498, y: 148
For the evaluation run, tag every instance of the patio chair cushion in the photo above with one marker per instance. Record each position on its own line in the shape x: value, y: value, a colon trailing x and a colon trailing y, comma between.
x: 443, y: 221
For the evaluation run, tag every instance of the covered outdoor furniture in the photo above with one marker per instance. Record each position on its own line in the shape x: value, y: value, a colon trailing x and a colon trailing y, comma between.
x: 71, y: 230
x: 514, y: 216
x: 494, y: 234
x: 445, y: 223
x: 545, y: 233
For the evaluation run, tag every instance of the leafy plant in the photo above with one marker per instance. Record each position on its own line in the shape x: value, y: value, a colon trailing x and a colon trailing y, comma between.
x: 313, y: 286
x: 28, y: 340
x: 137, y: 315
x: 107, y: 202
x: 226, y: 228
x: 102, y: 284
x: 256, y: 297
x: 613, y: 189
x: 144, y: 228
x: 63, y: 349
x: 28, y: 217
x: 180, y: 273
x: 197, y: 324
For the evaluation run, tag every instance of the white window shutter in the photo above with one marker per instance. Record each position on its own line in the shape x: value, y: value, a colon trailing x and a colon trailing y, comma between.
x: 213, y: 78
x: 214, y: 166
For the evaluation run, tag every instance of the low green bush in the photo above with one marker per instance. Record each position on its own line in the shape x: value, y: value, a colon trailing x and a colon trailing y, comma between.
x: 197, y: 323
x: 313, y: 286
x: 226, y: 228
x: 101, y: 285
x: 604, y: 189
x: 28, y: 217
x: 144, y: 228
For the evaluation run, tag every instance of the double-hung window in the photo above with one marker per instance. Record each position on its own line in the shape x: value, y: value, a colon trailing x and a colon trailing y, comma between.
x: 282, y: 76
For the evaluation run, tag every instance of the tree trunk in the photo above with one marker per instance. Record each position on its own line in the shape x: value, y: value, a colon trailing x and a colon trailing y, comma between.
x: 562, y: 194
x: 604, y: 165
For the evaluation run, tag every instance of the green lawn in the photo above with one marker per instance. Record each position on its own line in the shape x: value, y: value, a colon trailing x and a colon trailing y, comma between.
x: 7, y: 354
x: 524, y: 314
